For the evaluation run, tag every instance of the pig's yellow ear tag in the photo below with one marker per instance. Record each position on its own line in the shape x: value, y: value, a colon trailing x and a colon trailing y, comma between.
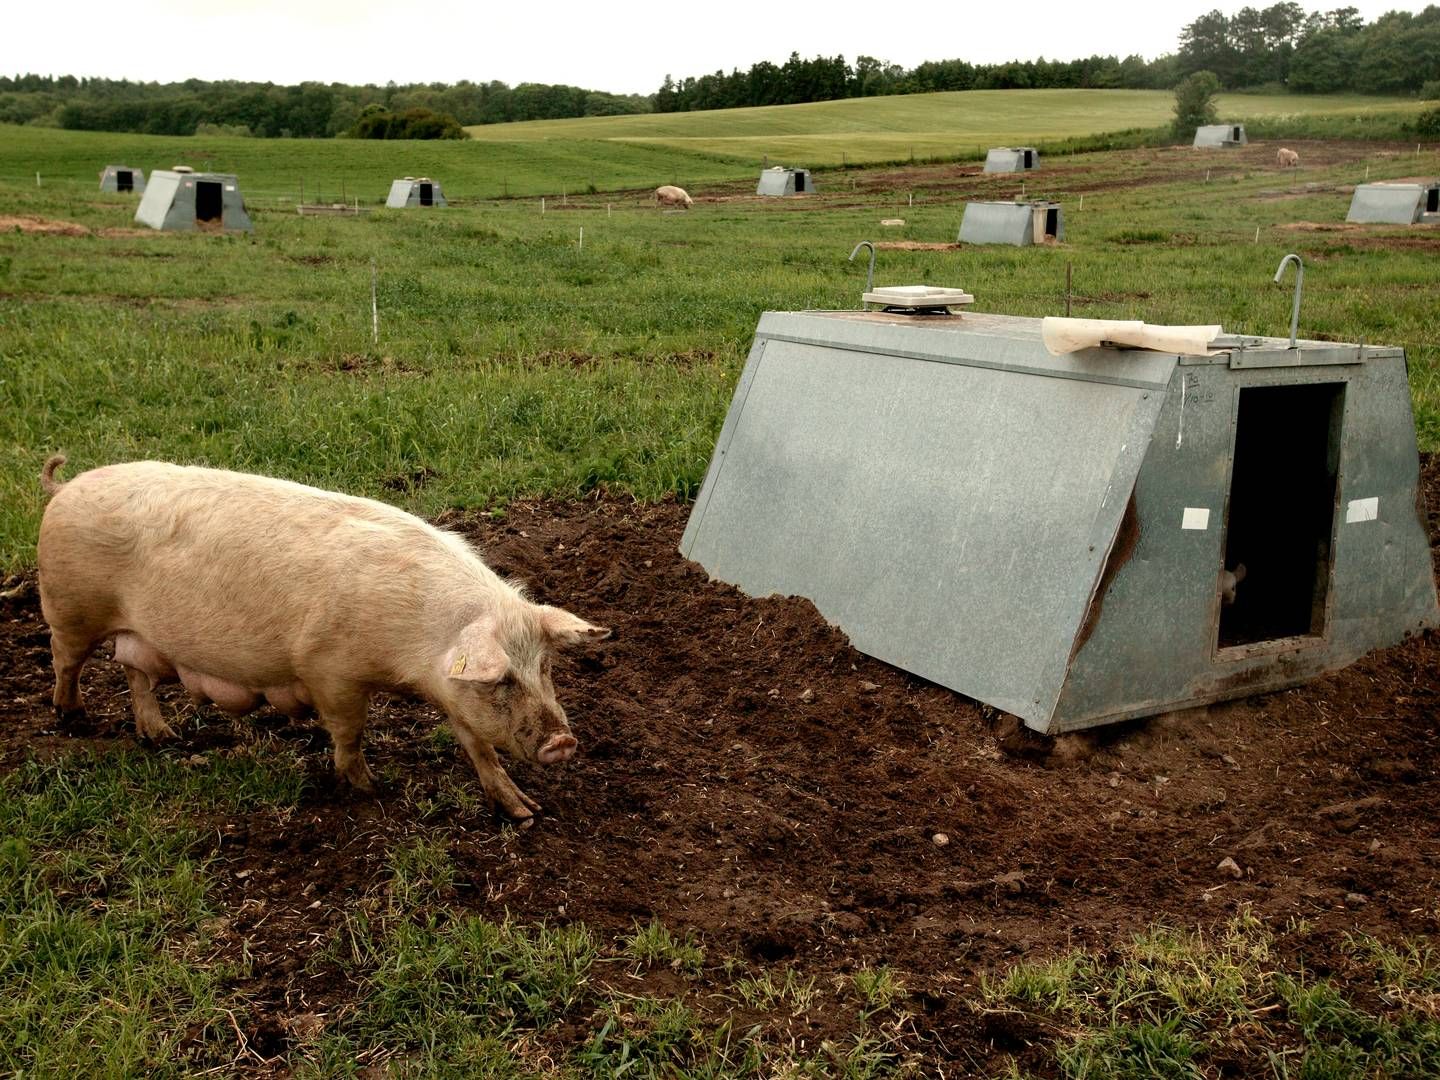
x: 458, y: 667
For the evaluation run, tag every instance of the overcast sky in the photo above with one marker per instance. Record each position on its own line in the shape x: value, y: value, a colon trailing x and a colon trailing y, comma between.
x: 623, y: 46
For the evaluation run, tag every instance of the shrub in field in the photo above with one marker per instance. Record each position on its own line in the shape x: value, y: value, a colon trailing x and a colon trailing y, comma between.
x: 1430, y: 91
x: 1195, y: 103
x: 377, y: 122
x: 1426, y: 125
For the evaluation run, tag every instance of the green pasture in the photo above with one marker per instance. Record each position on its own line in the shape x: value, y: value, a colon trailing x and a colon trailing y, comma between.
x: 513, y: 359
x: 272, y: 171
x: 922, y: 126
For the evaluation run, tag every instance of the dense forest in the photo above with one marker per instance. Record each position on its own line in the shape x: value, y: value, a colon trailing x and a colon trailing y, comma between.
x: 1281, y: 46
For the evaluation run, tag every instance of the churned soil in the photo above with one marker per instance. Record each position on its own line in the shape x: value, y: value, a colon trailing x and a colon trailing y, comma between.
x: 744, y: 773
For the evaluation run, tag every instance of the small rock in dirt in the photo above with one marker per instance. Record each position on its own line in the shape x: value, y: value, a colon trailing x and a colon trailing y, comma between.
x: 1374, y: 845
x: 1114, y: 779
x: 728, y: 893
x: 649, y: 563
x: 1355, y: 899
x: 193, y: 760
x: 1228, y: 760
x: 940, y: 839
x: 775, y: 692
x: 243, y: 874
x: 869, y: 687
x: 1231, y: 867
x: 807, y: 695
x: 1011, y: 882
x: 305, y: 1026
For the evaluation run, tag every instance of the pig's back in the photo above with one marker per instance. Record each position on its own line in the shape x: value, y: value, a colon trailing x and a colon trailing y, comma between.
x: 240, y: 575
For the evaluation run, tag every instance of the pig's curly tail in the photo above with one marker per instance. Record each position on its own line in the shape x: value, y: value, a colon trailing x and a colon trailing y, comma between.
x: 47, y: 474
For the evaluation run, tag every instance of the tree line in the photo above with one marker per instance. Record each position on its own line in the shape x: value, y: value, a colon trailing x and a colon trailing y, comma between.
x: 1281, y: 46
x: 310, y: 110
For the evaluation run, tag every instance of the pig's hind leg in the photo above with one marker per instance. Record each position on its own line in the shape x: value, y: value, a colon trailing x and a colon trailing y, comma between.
x: 149, y: 724
x: 69, y: 653
x: 499, y: 788
x: 342, y: 713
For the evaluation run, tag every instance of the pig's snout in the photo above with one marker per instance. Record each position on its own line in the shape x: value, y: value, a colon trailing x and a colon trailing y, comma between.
x: 557, y: 748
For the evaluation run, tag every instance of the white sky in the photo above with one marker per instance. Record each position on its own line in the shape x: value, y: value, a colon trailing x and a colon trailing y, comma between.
x: 623, y: 46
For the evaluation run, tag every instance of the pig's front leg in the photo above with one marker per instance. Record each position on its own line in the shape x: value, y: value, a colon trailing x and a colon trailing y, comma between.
x: 499, y: 788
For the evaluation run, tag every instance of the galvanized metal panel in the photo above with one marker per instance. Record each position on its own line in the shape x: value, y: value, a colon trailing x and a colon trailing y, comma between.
x: 1004, y: 159
x: 155, y: 204
x: 1220, y: 135
x: 1154, y: 644
x: 1387, y: 204
x: 110, y: 180
x: 952, y: 517
x: 169, y: 201
x: 997, y: 223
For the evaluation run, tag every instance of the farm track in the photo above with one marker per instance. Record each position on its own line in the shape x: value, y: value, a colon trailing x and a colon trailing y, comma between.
x: 745, y: 773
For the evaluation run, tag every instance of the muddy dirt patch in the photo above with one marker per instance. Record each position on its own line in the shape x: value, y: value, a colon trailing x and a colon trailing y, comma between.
x: 744, y: 773
x: 39, y: 226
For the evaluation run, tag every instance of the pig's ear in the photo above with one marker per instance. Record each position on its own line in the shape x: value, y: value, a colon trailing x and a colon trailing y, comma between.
x: 476, y: 655
x: 562, y: 628
x: 1239, y: 573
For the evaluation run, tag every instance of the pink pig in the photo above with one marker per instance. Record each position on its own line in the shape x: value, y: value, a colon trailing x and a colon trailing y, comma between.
x: 252, y: 590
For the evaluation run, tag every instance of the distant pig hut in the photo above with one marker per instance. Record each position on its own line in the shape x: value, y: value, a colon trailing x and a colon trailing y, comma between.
x: 1396, y: 204
x: 1004, y: 159
x: 122, y: 178
x: 181, y: 198
x: 778, y: 180
x: 415, y: 191
x: 1018, y: 223
x: 1220, y: 135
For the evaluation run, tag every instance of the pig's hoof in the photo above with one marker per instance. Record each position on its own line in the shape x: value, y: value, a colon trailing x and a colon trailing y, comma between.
x: 155, y: 731
x: 359, y: 776
x: 69, y: 719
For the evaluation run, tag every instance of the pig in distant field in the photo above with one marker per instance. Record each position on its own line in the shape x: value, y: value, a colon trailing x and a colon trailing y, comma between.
x: 670, y: 195
x: 250, y: 590
x: 1287, y: 159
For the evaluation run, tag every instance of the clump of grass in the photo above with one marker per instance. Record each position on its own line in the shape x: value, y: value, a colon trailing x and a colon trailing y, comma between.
x: 769, y: 991
x: 879, y: 988
x: 103, y: 912
x: 654, y: 944
x: 1159, y: 1005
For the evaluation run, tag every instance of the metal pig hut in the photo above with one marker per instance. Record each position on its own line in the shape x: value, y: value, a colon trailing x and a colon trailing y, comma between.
x: 778, y: 180
x: 415, y: 191
x: 1018, y: 223
x: 1220, y: 135
x: 1395, y: 204
x: 180, y: 198
x: 1046, y: 534
x: 122, y: 178
x: 1003, y: 159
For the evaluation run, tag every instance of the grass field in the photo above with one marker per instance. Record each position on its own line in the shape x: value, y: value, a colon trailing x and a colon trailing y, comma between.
x: 511, y: 360
x: 923, y: 126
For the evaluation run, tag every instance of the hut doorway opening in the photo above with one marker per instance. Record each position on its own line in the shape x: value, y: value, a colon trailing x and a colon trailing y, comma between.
x: 209, y: 201
x: 1281, y: 515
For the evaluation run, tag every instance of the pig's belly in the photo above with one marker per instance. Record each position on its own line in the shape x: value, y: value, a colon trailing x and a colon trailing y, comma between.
x: 292, y: 699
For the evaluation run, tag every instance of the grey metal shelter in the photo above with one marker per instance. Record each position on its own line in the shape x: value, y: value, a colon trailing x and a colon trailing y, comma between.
x: 1018, y: 223
x: 778, y: 180
x: 180, y: 198
x: 122, y: 178
x: 1221, y: 135
x: 1396, y: 204
x: 1047, y: 534
x: 1002, y: 159
x: 415, y: 191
